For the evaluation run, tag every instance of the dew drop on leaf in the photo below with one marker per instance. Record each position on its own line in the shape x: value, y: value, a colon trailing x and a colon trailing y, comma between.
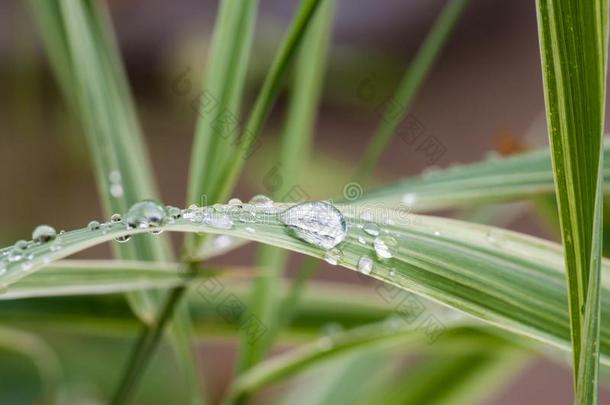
x: 235, y: 202
x: 318, y: 223
x: 365, y: 265
x: 371, y: 228
x: 122, y: 239
x: 115, y: 218
x: 145, y: 214
x: 383, y: 246
x: 93, y: 225
x: 333, y: 256
x: 261, y: 200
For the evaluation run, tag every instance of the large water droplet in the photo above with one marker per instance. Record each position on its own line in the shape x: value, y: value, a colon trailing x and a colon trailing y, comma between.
x: 318, y: 223
x: 93, y: 225
x: 383, y: 246
x: 115, y: 218
x: 365, y: 265
x: 145, y: 214
x: 43, y: 234
x: 371, y: 228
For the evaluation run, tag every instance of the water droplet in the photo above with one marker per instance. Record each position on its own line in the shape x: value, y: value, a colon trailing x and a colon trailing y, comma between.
x: 26, y: 266
x: 43, y: 234
x: 122, y: 239
x: 222, y: 242
x: 116, y: 190
x: 219, y: 221
x: 145, y: 214
x: 383, y: 246
x: 235, y: 202
x: 55, y: 247
x: 409, y: 198
x: 157, y: 231
x: 15, y: 254
x: 93, y: 225
x: 437, y: 232
x: 173, y: 212
x: 220, y: 207
x: 318, y: 223
x: 21, y: 244
x: 261, y: 200
x: 371, y: 228
x: 114, y: 176
x: 115, y: 218
x: 493, y: 237
x: 247, y: 215
x: 333, y: 256
x: 392, y: 272
x: 361, y: 240
x: 249, y: 229
x: 365, y: 265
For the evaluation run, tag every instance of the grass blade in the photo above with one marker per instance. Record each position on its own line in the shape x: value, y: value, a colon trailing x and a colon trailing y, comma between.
x: 265, y: 99
x: 574, y: 48
x: 507, y: 279
x: 296, y: 139
x: 84, y: 44
x: 224, y: 84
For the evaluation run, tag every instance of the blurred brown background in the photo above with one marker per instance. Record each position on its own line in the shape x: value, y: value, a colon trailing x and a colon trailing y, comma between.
x: 484, y: 94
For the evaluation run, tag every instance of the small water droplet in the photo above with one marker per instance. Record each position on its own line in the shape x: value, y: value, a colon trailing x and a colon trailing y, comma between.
x: 116, y: 190
x: 318, y: 223
x: 145, y: 214
x: 371, y: 228
x: 173, y: 212
x: 392, y: 272
x: 261, y: 200
x: 222, y: 242
x: 235, y: 202
x: 122, y: 239
x: 437, y: 232
x: 114, y: 176
x: 365, y: 265
x: 43, y: 234
x: 361, y: 240
x: 250, y: 229
x: 383, y: 246
x: 333, y: 256
x: 21, y: 244
x: 26, y: 266
x: 409, y: 199
x: 219, y: 221
x: 55, y: 247
x: 493, y: 237
x: 15, y: 255
x: 115, y: 218
x: 220, y: 207
x: 93, y: 225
